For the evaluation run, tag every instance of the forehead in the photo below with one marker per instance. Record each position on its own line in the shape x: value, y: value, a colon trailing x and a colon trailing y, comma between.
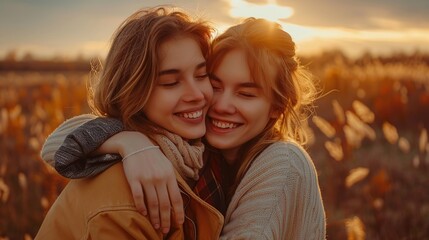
x: 233, y: 68
x: 180, y: 53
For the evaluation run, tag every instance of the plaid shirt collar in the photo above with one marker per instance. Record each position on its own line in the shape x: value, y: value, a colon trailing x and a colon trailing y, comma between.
x: 209, y: 185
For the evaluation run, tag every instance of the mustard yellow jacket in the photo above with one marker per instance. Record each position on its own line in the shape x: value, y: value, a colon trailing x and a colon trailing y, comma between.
x: 102, y: 207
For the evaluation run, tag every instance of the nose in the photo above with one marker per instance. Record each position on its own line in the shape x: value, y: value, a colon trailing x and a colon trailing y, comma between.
x: 193, y: 92
x: 223, y: 103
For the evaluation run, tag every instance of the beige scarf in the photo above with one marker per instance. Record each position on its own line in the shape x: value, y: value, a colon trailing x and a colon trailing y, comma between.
x: 186, y: 157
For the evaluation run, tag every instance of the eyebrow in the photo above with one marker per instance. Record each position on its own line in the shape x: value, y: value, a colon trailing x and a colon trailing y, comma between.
x: 213, y: 77
x: 176, y: 71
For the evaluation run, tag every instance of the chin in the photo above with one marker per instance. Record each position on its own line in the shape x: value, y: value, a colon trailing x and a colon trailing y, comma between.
x: 217, y: 144
x: 194, y: 135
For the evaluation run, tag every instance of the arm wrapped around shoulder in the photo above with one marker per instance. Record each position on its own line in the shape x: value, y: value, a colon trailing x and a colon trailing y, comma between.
x: 56, y: 138
x: 73, y: 160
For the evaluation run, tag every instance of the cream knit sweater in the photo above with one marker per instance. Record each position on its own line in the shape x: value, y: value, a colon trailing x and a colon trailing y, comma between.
x: 278, y: 198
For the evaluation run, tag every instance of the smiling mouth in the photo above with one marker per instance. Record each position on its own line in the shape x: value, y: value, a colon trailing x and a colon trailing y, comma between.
x: 223, y: 124
x: 191, y: 115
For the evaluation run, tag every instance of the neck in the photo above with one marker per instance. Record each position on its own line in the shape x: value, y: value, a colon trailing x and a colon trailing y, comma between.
x: 230, y: 155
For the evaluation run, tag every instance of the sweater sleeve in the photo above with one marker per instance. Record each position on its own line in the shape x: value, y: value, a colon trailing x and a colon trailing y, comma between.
x: 72, y: 160
x: 278, y: 198
x: 56, y: 138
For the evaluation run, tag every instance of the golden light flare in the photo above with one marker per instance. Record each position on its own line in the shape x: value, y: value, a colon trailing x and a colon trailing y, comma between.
x: 355, y: 228
x: 404, y: 145
x: 270, y: 11
x: 277, y: 13
x: 423, y: 140
x: 390, y: 133
x: 335, y: 149
x: 391, y: 31
x: 324, y: 126
x: 356, y: 175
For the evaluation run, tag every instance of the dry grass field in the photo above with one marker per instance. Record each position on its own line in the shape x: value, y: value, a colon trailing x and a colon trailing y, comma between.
x: 369, y: 142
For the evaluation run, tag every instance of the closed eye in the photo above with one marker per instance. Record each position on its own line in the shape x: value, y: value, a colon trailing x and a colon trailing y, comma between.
x: 169, y: 84
x: 202, y: 76
x: 216, y: 85
x: 216, y: 89
x: 248, y: 95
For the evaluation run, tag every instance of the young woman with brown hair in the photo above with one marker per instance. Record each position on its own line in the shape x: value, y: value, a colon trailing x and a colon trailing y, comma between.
x: 154, y: 76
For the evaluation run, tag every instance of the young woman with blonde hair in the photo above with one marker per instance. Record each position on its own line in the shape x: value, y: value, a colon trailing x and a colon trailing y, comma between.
x: 255, y: 121
x: 254, y: 125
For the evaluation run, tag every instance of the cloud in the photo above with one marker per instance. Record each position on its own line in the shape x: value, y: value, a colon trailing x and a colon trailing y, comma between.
x: 363, y: 14
x: 50, y: 26
x: 214, y: 11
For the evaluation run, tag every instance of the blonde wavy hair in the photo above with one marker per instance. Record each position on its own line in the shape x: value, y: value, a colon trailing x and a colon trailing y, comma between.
x: 123, y: 86
x: 270, y: 53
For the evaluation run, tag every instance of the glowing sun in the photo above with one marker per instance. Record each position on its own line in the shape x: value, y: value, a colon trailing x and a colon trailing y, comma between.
x: 270, y: 11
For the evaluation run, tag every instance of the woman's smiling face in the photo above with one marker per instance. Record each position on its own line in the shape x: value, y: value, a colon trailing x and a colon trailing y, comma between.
x: 182, y: 93
x: 240, y: 110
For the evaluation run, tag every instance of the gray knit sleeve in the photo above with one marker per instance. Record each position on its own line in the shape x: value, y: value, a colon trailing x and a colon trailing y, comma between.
x: 72, y: 160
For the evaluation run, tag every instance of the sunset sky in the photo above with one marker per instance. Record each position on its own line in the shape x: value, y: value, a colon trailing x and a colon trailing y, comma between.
x: 70, y: 28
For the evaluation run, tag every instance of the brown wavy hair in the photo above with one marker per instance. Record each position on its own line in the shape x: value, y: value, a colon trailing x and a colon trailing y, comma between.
x: 123, y: 86
x: 270, y: 53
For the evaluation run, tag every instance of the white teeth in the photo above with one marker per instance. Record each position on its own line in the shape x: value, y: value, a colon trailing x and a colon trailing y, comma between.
x: 224, y: 125
x: 192, y: 115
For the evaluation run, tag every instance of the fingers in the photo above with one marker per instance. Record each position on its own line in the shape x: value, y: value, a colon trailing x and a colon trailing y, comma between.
x: 164, y: 207
x: 154, y: 187
x: 138, y: 196
x: 152, y: 205
x: 176, y: 201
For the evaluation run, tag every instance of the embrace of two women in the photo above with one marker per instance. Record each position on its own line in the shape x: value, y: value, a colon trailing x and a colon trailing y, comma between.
x: 190, y: 138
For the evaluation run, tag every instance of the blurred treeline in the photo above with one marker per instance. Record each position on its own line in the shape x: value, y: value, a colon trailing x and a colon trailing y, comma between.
x: 369, y: 140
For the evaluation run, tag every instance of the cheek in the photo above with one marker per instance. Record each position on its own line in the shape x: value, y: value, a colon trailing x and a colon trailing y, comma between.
x: 207, y: 90
x: 257, y: 111
x: 162, y: 101
x: 214, y: 100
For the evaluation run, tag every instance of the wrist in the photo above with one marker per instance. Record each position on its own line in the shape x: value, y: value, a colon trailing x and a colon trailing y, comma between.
x: 140, y: 150
x: 130, y: 141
